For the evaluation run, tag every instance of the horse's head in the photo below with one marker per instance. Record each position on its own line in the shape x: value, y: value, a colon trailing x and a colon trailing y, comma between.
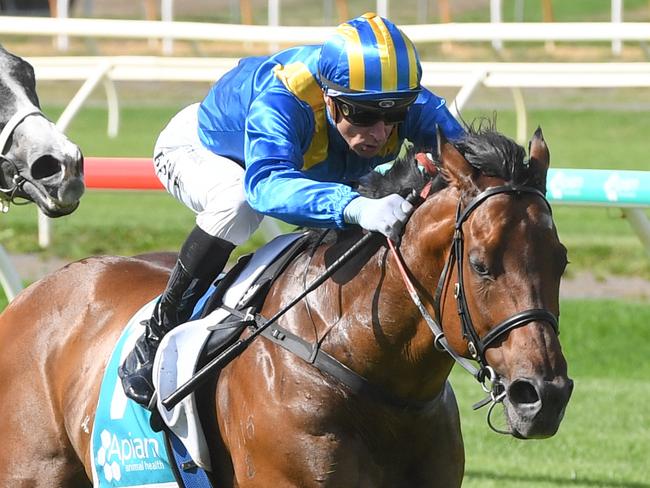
x: 37, y: 161
x: 503, y: 274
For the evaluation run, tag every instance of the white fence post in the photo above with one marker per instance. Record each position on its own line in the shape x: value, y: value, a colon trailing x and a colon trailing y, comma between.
x: 617, y: 17
x: 167, y: 15
x: 273, y: 19
x: 62, y: 13
x: 639, y: 222
x: 45, y: 223
x: 466, y: 91
x: 9, y: 278
x: 382, y: 8
x: 522, y: 117
x: 496, y: 18
x: 44, y: 230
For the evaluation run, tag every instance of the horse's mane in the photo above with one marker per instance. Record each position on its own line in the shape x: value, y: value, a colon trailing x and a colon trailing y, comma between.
x: 22, y: 72
x: 487, y: 150
x: 403, y: 177
x: 494, y: 154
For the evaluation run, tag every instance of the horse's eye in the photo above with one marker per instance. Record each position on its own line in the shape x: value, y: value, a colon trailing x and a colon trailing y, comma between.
x: 479, y: 266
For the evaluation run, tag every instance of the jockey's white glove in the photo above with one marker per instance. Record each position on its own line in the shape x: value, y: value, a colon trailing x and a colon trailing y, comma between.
x: 386, y: 215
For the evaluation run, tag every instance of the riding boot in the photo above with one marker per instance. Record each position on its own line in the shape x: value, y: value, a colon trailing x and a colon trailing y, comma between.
x: 201, y: 259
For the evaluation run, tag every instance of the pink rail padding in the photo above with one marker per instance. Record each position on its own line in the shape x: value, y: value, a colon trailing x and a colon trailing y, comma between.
x: 120, y: 174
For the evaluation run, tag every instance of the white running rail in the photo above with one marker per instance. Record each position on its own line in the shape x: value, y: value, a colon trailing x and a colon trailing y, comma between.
x: 419, y: 33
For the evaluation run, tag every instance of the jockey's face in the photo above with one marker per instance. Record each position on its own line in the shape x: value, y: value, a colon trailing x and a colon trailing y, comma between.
x: 366, y: 141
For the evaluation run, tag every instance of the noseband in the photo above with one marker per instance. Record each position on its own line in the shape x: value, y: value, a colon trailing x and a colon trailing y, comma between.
x: 7, y: 195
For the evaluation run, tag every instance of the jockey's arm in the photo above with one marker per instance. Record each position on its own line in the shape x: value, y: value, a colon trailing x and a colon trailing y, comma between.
x: 278, y: 133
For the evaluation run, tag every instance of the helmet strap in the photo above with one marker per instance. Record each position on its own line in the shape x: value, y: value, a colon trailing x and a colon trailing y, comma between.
x: 332, y: 110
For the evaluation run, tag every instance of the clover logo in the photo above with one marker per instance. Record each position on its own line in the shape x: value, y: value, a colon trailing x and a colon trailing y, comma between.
x: 111, y: 470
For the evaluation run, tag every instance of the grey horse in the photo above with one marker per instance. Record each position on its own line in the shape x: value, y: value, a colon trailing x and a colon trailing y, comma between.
x: 38, y: 162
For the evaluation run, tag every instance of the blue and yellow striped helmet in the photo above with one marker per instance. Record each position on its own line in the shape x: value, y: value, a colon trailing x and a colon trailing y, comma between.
x: 369, y: 58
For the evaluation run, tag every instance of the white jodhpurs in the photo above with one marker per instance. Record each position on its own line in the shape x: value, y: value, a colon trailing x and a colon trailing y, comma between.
x: 210, y: 185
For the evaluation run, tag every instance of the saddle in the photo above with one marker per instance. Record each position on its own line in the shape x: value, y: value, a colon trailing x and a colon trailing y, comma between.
x: 229, y: 330
x: 218, y: 320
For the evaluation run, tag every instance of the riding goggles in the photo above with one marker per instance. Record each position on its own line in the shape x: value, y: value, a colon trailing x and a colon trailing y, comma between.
x: 365, y: 113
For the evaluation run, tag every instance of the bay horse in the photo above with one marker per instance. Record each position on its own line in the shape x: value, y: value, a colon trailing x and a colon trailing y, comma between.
x: 38, y: 163
x: 274, y: 420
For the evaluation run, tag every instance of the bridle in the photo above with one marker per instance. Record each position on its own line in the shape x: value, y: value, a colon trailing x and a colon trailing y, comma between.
x: 476, y: 345
x: 8, y: 195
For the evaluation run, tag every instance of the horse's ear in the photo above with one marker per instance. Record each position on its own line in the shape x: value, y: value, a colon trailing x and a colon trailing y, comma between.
x: 454, y: 167
x: 540, y: 158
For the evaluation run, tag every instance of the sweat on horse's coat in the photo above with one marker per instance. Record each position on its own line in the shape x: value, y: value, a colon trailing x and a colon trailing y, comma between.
x: 271, y: 419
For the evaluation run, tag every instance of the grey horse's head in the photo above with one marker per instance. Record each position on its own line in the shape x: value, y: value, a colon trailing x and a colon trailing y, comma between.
x: 37, y: 161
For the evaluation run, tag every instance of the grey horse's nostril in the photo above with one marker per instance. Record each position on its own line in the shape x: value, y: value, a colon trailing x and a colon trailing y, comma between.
x: 44, y: 167
x: 522, y: 392
x: 72, y: 191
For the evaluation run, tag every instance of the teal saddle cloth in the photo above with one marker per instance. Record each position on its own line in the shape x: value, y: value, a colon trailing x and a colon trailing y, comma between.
x: 126, y: 450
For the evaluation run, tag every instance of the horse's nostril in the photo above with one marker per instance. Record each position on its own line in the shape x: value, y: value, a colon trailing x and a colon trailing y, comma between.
x: 521, y: 392
x: 44, y: 167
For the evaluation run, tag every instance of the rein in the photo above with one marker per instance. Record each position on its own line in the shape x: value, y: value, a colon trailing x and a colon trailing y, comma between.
x: 8, y: 195
x: 476, y: 345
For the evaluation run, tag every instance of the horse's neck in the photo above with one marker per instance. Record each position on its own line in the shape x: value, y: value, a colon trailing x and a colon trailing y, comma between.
x: 379, y: 330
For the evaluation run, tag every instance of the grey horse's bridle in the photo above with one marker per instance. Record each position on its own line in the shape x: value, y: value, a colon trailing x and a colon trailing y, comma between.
x: 8, y: 195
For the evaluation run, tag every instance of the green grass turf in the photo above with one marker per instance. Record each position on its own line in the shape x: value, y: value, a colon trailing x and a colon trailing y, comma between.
x: 112, y: 222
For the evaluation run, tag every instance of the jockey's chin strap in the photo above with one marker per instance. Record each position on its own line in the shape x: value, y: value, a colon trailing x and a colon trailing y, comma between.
x: 476, y: 345
x: 8, y: 195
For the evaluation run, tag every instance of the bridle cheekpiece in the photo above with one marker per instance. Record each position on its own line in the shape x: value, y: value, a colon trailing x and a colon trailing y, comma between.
x: 8, y: 195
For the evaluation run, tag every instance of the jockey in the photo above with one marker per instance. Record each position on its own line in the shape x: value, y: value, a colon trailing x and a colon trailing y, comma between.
x: 287, y: 135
